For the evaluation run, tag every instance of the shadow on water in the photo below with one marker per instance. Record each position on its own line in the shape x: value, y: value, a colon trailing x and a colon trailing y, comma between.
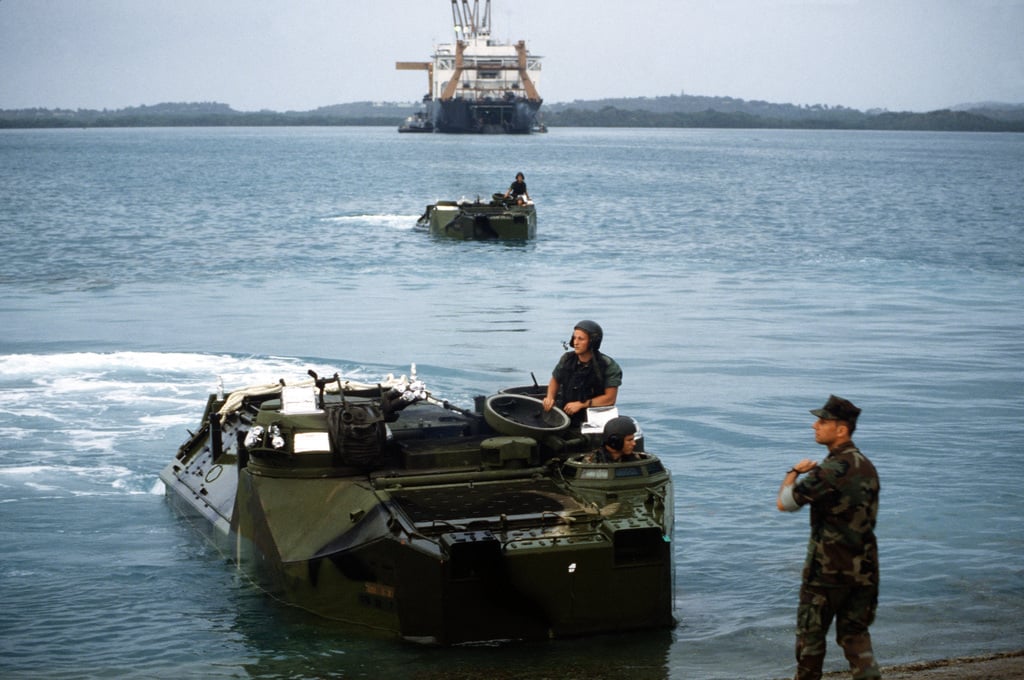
x: 295, y: 646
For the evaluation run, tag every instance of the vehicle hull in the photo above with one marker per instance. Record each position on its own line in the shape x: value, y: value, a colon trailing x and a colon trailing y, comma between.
x: 451, y: 533
x: 497, y: 220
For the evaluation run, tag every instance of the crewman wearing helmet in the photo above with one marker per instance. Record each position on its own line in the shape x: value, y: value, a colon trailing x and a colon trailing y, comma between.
x: 584, y: 376
x: 618, y: 443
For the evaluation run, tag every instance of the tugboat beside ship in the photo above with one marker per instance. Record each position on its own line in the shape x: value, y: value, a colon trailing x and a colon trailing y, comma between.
x: 417, y: 122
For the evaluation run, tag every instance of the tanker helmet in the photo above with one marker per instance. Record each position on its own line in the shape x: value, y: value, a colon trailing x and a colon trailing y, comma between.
x: 616, y: 430
x: 593, y: 331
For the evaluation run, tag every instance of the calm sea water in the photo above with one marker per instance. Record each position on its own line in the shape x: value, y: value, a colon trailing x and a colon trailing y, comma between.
x: 740, y: 276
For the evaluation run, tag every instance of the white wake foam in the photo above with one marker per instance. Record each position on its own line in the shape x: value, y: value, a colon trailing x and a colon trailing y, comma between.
x: 390, y: 221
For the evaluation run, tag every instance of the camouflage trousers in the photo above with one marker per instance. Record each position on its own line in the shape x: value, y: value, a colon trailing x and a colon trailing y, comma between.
x: 853, y: 609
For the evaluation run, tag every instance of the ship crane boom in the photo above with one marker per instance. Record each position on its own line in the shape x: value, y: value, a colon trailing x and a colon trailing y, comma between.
x: 427, y: 66
x: 531, y: 90
x: 468, y: 21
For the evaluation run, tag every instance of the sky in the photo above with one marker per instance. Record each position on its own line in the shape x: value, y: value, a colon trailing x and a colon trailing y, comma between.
x: 297, y: 55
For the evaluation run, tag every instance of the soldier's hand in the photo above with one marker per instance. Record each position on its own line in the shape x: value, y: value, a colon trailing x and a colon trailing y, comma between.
x: 806, y: 465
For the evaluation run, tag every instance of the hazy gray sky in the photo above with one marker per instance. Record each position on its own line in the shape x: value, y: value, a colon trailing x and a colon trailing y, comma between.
x: 283, y: 55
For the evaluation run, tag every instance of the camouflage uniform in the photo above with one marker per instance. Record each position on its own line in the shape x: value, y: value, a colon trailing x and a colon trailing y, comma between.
x: 601, y: 456
x: 840, y: 576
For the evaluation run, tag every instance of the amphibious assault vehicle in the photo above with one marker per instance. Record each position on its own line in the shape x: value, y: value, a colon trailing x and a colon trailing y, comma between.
x: 382, y: 506
x: 497, y: 219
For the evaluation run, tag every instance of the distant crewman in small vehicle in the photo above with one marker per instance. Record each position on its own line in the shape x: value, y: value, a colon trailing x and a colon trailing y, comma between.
x: 618, y: 443
x: 517, y: 192
x: 584, y: 376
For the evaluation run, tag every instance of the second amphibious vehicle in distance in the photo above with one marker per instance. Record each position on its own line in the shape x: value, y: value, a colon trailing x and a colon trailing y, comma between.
x: 497, y: 219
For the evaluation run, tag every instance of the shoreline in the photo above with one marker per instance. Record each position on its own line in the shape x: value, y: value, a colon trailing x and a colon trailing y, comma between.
x: 996, y: 666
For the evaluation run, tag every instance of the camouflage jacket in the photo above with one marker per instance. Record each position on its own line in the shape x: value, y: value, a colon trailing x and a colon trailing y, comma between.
x: 602, y: 456
x: 843, y: 495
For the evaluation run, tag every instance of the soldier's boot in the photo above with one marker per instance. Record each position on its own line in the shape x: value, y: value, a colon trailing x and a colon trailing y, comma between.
x: 809, y: 667
x: 857, y: 649
x: 810, y: 658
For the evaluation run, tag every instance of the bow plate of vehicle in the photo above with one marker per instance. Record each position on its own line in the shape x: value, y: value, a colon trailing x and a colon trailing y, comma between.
x: 498, y: 219
x: 384, y: 507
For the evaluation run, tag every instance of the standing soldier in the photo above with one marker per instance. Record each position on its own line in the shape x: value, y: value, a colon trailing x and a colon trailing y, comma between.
x: 840, y: 576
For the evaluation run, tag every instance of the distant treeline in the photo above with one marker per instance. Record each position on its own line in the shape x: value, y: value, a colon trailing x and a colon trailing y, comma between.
x: 686, y: 111
x: 211, y: 114
x: 945, y: 120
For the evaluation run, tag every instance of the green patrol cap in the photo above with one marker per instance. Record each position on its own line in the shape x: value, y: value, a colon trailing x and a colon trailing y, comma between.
x: 837, y: 408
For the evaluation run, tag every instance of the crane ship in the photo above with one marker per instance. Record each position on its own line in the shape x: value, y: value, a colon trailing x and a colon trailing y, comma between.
x: 477, y: 84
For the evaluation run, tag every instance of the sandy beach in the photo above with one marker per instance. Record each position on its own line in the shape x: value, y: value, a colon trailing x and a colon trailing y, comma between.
x: 1001, y: 666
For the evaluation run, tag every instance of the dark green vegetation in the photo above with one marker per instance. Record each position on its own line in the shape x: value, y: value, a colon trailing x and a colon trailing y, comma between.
x: 203, y: 114
x: 685, y: 111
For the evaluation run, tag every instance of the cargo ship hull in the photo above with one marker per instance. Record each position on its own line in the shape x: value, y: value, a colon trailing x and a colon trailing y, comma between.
x: 506, y: 117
